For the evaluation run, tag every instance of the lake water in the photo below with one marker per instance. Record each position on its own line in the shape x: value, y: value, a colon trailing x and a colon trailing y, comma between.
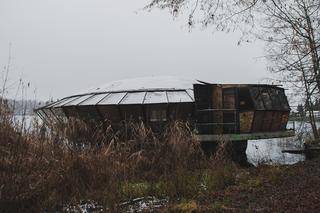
x: 269, y: 151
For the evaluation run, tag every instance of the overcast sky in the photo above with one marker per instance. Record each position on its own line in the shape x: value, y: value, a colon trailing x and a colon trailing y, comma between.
x: 65, y: 46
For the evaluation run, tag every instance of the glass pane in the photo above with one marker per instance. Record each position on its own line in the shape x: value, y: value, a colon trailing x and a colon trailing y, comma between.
x: 65, y: 101
x: 283, y: 100
x: 112, y: 98
x: 93, y: 100
x: 274, y: 95
x: 178, y: 96
x: 42, y: 114
x: 190, y: 93
x: 155, y: 97
x: 133, y: 98
x: 78, y: 100
x: 256, y: 97
x: 266, y: 98
x: 53, y: 103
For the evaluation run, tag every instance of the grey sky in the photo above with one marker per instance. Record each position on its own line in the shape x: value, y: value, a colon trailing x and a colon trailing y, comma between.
x: 64, y: 46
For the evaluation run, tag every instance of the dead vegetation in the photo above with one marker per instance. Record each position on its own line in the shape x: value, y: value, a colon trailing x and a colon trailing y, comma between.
x: 57, y: 169
x: 47, y: 170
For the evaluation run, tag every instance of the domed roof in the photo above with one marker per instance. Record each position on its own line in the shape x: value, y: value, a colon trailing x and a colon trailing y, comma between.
x: 144, y: 84
x: 146, y: 90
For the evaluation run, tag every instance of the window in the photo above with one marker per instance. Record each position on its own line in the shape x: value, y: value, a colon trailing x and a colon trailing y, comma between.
x: 266, y: 98
x: 157, y: 115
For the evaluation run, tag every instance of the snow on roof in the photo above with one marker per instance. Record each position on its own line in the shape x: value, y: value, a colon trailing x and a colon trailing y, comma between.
x: 144, y: 84
x: 147, y: 90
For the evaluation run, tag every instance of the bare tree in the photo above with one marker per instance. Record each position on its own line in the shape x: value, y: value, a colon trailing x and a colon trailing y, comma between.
x: 292, y: 32
x: 290, y: 28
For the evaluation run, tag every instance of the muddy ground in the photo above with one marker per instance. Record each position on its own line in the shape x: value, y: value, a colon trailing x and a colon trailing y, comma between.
x: 294, y: 188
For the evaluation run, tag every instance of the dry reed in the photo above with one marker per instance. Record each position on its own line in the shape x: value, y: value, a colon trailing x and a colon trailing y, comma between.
x: 46, y: 170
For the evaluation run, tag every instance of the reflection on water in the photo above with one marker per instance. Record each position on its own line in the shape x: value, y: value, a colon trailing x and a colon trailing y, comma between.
x: 269, y: 150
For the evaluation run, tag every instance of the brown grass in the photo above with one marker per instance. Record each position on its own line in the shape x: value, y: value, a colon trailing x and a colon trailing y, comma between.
x: 46, y: 170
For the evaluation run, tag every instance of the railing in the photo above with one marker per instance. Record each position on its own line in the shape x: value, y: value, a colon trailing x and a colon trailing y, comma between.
x: 232, y: 125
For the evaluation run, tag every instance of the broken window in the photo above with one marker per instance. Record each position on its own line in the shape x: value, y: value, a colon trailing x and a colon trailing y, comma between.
x: 266, y: 98
x: 256, y: 97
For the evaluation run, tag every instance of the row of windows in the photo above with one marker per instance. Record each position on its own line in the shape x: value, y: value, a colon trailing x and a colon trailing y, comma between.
x: 156, y: 113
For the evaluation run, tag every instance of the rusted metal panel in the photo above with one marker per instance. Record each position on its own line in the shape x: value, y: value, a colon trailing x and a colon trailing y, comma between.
x: 246, y: 120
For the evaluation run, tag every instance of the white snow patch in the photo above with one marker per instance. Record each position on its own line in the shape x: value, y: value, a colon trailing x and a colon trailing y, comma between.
x: 144, y: 204
x: 145, y: 83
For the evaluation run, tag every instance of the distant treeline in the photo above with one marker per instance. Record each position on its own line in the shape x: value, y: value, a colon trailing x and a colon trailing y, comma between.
x: 314, y: 106
x: 23, y: 107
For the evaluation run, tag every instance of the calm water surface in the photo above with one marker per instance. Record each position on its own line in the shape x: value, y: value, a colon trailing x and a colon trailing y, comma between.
x: 269, y: 150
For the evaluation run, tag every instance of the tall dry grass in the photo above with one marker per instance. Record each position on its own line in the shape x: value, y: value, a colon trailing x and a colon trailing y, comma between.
x: 47, y: 169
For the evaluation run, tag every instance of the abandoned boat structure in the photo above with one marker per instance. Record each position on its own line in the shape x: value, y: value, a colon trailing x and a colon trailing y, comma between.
x: 239, y: 112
